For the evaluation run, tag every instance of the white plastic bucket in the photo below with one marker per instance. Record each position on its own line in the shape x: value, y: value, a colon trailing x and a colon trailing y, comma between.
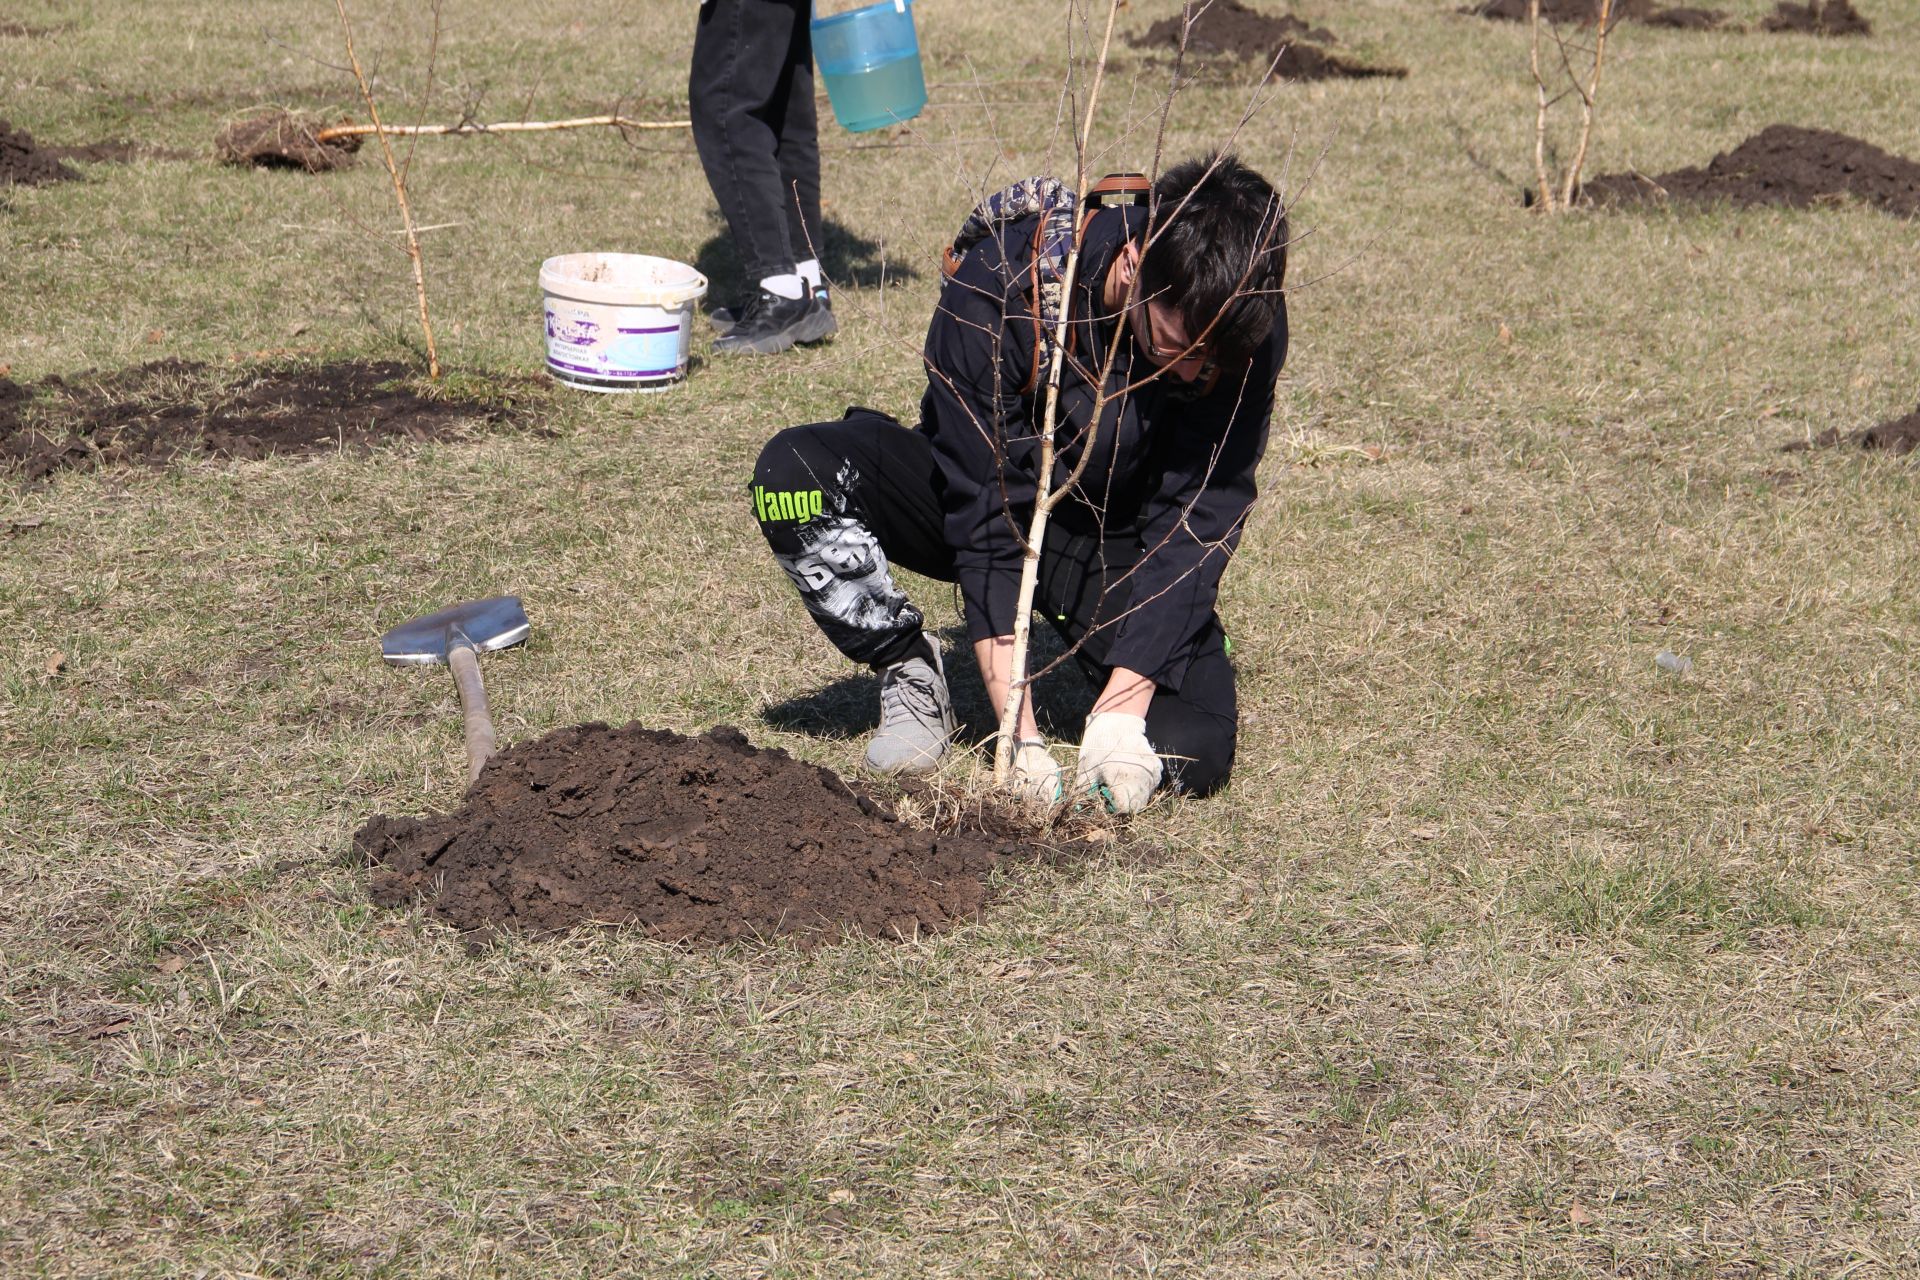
x: 619, y: 321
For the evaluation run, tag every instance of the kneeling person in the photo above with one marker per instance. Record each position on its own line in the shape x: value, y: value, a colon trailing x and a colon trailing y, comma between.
x: 1186, y: 295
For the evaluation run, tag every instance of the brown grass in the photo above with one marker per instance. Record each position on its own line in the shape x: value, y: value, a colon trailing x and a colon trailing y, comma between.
x: 1505, y: 954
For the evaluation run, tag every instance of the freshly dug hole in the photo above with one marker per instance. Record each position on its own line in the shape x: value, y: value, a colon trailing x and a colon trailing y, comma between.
x: 706, y: 840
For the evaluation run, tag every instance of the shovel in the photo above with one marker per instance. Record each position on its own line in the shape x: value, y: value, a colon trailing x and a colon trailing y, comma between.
x: 456, y: 637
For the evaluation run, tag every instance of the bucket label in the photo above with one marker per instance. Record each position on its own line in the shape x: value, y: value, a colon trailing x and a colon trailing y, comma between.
x: 639, y: 343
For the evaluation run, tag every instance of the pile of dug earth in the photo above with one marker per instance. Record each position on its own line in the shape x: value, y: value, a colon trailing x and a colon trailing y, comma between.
x: 1781, y: 165
x: 702, y: 840
x: 1897, y: 436
x: 29, y: 164
x: 1229, y: 31
x: 22, y: 162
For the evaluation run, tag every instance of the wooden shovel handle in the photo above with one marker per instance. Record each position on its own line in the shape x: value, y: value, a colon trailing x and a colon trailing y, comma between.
x: 511, y: 126
x: 473, y: 708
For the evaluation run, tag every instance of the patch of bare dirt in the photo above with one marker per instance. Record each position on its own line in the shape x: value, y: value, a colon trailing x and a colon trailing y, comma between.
x: 1687, y: 18
x: 1231, y: 30
x: 1834, y: 18
x: 1586, y: 13
x: 1781, y: 165
x: 1897, y: 436
x: 156, y: 412
x: 706, y: 840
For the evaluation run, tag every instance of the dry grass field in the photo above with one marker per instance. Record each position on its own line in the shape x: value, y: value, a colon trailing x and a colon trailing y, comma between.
x: 1505, y: 954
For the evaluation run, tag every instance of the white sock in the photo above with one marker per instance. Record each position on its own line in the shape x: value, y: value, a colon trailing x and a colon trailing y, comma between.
x: 790, y: 286
x: 810, y: 272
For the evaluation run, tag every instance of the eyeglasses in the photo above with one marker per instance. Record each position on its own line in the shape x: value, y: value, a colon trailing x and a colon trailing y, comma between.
x: 1174, y: 354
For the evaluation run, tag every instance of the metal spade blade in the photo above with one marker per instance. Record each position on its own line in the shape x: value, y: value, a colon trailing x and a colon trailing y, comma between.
x: 484, y: 625
x: 455, y: 636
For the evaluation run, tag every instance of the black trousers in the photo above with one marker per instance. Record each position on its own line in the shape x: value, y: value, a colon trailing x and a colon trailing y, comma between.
x: 840, y: 502
x: 750, y: 96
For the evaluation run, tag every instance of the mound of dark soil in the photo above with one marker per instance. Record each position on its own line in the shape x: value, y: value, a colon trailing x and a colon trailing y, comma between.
x: 1781, y: 165
x: 1834, y: 18
x: 153, y: 413
x: 31, y: 164
x: 1897, y: 436
x: 28, y: 165
x: 705, y: 839
x: 1228, y: 29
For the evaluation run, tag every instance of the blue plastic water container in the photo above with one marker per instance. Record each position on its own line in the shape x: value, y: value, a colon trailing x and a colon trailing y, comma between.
x: 870, y: 60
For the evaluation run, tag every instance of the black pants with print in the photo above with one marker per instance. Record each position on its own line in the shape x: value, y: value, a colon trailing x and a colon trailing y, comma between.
x: 750, y: 96
x: 839, y: 502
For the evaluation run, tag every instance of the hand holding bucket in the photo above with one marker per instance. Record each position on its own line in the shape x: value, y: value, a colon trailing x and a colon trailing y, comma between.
x: 870, y: 61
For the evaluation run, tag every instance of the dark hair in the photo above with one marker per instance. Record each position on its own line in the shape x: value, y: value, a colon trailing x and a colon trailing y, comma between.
x: 1216, y: 251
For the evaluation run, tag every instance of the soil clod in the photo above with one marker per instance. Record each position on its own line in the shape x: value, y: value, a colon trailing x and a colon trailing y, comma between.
x: 1228, y: 29
x: 151, y: 414
x: 706, y: 839
x: 1781, y: 165
x: 284, y: 140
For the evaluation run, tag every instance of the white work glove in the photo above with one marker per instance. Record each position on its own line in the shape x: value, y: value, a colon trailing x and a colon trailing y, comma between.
x: 1036, y: 775
x: 1117, y: 762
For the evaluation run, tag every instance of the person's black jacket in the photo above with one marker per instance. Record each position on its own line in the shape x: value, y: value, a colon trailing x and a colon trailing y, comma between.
x: 1172, y: 469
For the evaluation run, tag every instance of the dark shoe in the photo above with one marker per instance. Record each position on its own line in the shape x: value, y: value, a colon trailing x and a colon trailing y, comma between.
x: 722, y: 318
x: 770, y: 323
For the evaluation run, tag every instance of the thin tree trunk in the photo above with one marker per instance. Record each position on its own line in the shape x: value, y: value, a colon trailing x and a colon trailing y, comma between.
x: 1587, y: 97
x: 1045, y: 497
x: 1541, y: 182
x: 399, y: 193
